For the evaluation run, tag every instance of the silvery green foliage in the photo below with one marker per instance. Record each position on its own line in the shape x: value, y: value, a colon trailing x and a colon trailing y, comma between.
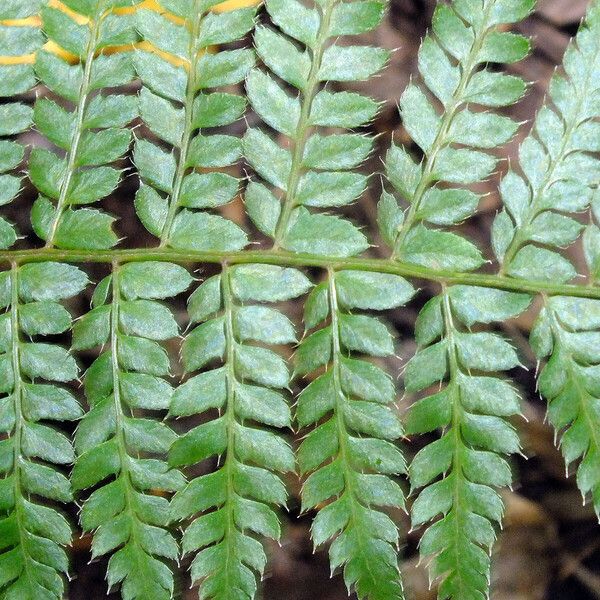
x: 33, y: 562
x: 457, y: 139
x: 132, y: 498
x: 181, y: 104
x: 591, y: 240
x: 17, y: 42
x: 567, y: 332
x: 559, y: 175
x: 349, y: 456
x: 87, y: 128
x: 15, y: 115
x: 305, y: 53
x: 224, y: 508
x: 469, y: 402
x: 119, y: 452
x: 556, y: 170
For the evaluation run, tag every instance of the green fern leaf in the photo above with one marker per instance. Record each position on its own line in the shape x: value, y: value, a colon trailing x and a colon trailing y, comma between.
x: 459, y: 471
x: 456, y: 142
x: 307, y: 156
x: 32, y: 559
x: 557, y: 169
x: 20, y: 9
x: 246, y: 388
x: 558, y: 176
x: 90, y: 129
x: 15, y: 116
x: 22, y: 40
x: 591, y: 241
x: 318, y: 170
x: 128, y: 518
x: 566, y: 332
x: 350, y: 455
x: 178, y: 103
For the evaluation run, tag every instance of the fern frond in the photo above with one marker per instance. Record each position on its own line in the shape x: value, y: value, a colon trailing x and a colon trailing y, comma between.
x: 567, y: 332
x: 32, y: 559
x: 127, y: 515
x: 559, y: 174
x: 91, y: 133
x: 457, y: 141
x: 180, y: 106
x: 15, y: 116
x: 19, y: 40
x: 15, y: 10
x: 350, y: 453
x: 239, y: 497
x: 557, y: 168
x: 591, y: 241
x: 306, y: 153
x: 459, y: 471
x: 317, y: 170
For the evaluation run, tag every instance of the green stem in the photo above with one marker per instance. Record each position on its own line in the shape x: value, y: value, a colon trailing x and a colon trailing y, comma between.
x: 230, y: 420
x: 188, y: 129
x: 304, y: 128
x: 85, y: 90
x: 450, y: 330
x: 339, y: 416
x: 16, y: 368
x: 457, y: 418
x: 441, y: 140
x: 340, y: 398
x: 17, y: 404
x: 301, y: 260
x: 457, y: 409
x: 119, y: 430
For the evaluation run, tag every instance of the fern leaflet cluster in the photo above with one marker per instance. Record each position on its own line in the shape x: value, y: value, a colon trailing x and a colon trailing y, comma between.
x: 349, y: 453
x: 559, y: 177
x: 125, y: 513
x: 32, y: 536
x: 557, y: 169
x: 317, y: 170
x: 178, y: 103
x: 247, y: 392
x: 566, y: 332
x: 93, y: 133
x: 457, y: 141
x: 15, y: 116
x: 459, y: 470
x: 199, y: 469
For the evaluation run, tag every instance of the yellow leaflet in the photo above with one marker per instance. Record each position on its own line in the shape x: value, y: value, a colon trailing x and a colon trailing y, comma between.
x: 74, y: 15
x: 224, y: 6
x: 147, y: 4
x: 28, y: 22
x: 233, y: 4
x: 20, y: 60
x: 150, y: 5
x: 28, y: 59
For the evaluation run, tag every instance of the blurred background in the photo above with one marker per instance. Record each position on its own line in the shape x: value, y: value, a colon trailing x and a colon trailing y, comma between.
x: 550, y: 546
